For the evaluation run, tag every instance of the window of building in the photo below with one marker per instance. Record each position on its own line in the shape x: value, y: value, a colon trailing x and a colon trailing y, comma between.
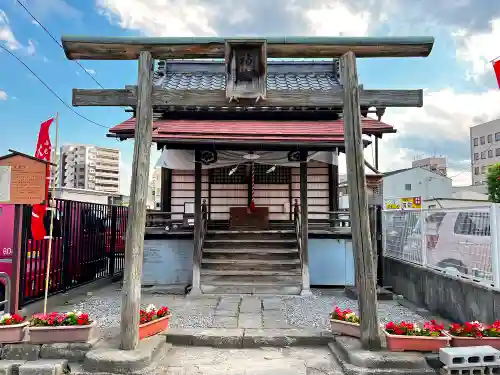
x: 408, y: 187
x: 476, y: 156
x: 476, y: 170
x: 483, y: 155
x: 482, y: 140
x: 490, y: 153
x: 476, y: 141
x: 490, y: 138
x: 497, y: 152
x: 483, y: 169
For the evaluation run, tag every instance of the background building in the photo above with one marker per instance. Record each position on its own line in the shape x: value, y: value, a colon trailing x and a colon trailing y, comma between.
x: 433, y: 164
x: 416, y: 182
x: 154, y: 193
x: 90, y: 167
x: 485, y: 149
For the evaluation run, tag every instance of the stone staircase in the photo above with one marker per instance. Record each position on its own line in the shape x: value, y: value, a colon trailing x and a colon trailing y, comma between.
x: 251, y: 262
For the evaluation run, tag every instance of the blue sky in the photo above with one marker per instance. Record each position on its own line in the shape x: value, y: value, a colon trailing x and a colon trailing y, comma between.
x: 460, y: 87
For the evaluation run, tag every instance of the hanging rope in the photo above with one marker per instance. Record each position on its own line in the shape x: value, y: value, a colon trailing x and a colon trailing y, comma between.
x: 252, y: 203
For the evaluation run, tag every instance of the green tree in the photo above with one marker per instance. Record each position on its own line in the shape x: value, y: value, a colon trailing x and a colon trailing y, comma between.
x: 493, y: 181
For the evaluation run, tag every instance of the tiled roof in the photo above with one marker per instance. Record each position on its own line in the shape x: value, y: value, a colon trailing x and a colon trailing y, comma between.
x: 272, y: 131
x: 282, y: 75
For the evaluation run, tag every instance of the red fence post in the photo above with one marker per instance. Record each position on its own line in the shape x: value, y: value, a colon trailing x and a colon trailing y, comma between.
x: 16, y: 259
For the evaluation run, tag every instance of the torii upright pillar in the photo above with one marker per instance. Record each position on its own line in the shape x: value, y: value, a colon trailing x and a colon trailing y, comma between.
x: 134, y: 245
x: 358, y: 204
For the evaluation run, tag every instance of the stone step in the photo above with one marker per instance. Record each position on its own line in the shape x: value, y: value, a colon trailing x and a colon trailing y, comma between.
x: 251, y: 262
x: 262, y: 257
x: 250, y: 279
x: 265, y: 251
x: 250, y: 272
x: 250, y: 243
x: 260, y: 289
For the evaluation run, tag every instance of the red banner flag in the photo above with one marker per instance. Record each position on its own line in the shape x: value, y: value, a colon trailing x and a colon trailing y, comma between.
x: 496, y: 67
x: 43, y: 151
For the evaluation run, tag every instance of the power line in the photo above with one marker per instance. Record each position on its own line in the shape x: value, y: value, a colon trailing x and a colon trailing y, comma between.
x: 52, y: 91
x: 57, y: 42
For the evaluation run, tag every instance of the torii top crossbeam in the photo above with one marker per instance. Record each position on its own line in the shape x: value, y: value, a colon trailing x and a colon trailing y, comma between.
x: 129, y: 48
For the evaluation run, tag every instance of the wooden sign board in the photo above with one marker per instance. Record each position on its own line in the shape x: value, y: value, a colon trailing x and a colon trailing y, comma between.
x: 22, y: 180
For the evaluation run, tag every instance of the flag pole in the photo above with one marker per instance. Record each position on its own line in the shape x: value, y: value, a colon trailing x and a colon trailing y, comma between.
x: 51, y: 228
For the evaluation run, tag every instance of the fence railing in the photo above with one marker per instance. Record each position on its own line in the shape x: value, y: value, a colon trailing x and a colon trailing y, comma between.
x: 88, y: 244
x: 462, y: 241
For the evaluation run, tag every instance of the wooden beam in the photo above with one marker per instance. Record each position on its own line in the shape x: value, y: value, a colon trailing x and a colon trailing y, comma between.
x: 197, y: 253
x: 134, y: 247
x: 129, y: 48
x: 217, y: 98
x: 304, y: 225
x: 358, y: 204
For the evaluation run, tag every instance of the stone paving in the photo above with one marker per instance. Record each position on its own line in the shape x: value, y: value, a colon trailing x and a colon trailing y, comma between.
x: 235, y: 311
x: 263, y: 361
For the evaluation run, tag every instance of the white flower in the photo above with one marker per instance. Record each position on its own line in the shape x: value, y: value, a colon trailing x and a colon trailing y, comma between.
x: 150, y: 308
x: 5, y: 317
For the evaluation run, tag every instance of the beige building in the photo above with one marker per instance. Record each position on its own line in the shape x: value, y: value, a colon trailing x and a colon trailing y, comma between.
x: 485, y: 149
x: 433, y: 164
x: 90, y: 168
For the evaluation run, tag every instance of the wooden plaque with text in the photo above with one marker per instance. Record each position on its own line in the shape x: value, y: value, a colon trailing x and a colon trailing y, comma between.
x: 22, y: 180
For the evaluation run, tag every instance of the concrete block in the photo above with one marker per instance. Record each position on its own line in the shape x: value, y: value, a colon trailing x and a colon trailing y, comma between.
x: 73, y: 352
x: 44, y: 367
x: 25, y: 352
x: 351, y: 348
x: 215, y: 337
x: 272, y: 304
x: 471, y: 356
x: 471, y: 370
x: 350, y: 369
x: 10, y: 367
x: 250, y: 305
x: 247, y: 320
x: 256, y: 338
x: 108, y: 358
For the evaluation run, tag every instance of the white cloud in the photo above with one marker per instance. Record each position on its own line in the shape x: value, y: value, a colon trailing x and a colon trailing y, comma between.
x: 478, y: 49
x: 337, y: 19
x: 159, y: 17
x: 6, y: 34
x: 3, y: 95
x: 445, y: 120
x: 90, y: 71
x: 30, y: 48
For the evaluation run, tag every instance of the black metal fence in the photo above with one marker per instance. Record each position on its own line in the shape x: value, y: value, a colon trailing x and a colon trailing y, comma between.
x: 88, y: 244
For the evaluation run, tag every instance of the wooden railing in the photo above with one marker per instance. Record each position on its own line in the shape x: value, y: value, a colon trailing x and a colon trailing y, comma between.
x: 158, y: 219
x: 298, y: 229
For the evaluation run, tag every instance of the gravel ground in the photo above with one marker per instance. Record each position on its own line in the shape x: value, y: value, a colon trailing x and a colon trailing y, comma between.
x: 104, y: 307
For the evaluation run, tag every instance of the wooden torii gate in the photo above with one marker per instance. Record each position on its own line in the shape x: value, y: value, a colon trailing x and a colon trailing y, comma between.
x: 144, y: 97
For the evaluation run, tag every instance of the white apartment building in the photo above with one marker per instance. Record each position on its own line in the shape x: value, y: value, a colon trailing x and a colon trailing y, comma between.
x: 90, y: 167
x: 485, y: 149
x: 154, y: 194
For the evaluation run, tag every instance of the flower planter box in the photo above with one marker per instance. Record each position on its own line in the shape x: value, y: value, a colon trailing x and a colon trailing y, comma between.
x: 457, y: 341
x: 401, y: 343
x: 49, y: 335
x: 154, y: 327
x: 341, y: 327
x: 13, y: 333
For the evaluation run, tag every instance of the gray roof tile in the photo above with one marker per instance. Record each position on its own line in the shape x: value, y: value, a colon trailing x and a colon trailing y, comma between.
x: 283, y: 75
